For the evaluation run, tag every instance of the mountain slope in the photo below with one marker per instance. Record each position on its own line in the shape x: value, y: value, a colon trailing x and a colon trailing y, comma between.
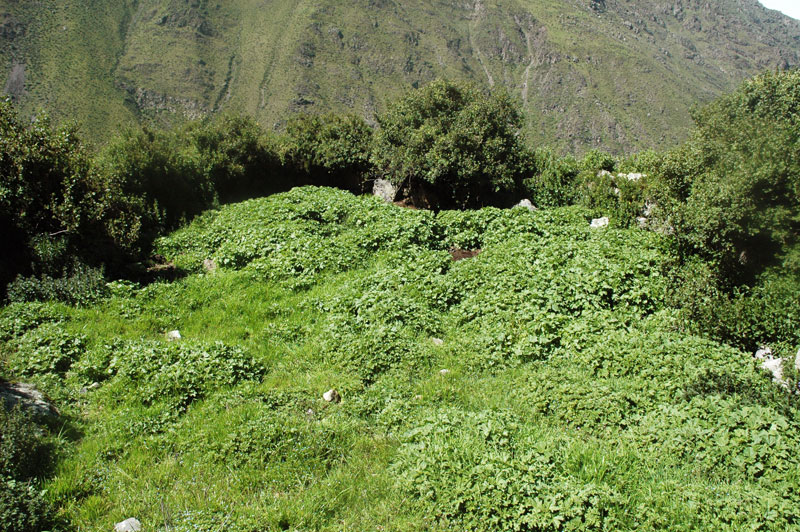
x: 617, y: 74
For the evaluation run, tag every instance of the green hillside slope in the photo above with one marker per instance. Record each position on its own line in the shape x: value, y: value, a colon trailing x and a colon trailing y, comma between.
x: 616, y: 74
x: 542, y: 384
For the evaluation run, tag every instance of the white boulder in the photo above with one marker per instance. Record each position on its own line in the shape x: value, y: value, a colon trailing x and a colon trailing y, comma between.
x: 174, y: 335
x: 600, y: 222
x: 384, y: 189
x: 525, y: 204
x: 332, y: 396
x: 129, y: 525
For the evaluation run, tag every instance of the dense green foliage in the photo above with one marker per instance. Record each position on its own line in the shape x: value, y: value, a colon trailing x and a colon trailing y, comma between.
x: 500, y: 369
x: 25, y: 456
x: 572, y: 400
x: 332, y: 150
x: 460, y: 141
x: 739, y: 176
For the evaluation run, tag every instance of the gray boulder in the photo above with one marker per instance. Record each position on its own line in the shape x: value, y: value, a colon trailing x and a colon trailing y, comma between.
x: 129, y: 525
x: 384, y: 189
x: 27, y: 397
x: 525, y: 204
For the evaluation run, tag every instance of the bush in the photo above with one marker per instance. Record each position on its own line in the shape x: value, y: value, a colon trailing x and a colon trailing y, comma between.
x: 454, y: 138
x: 82, y: 285
x: 177, y: 373
x: 330, y: 149
x: 735, y: 187
x: 47, y: 350
x: 24, y: 457
x: 24, y: 508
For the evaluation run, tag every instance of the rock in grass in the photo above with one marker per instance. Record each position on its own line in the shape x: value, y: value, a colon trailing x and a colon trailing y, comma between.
x: 209, y: 265
x: 332, y: 396
x: 437, y: 341
x: 444, y: 372
x: 173, y: 335
x: 600, y: 222
x: 797, y: 361
x: 27, y: 397
x: 129, y: 525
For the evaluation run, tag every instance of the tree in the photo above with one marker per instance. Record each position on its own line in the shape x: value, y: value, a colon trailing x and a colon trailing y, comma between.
x: 738, y: 188
x: 462, y: 142
x: 329, y: 149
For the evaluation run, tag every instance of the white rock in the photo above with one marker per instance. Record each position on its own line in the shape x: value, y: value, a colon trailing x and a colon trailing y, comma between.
x: 173, y: 335
x: 129, y: 525
x: 632, y: 176
x: 641, y: 221
x: 210, y: 265
x: 332, y: 396
x: 604, y: 173
x: 600, y: 222
x: 526, y: 204
x: 763, y: 352
x: 775, y: 366
x: 384, y: 189
x: 437, y: 341
x: 797, y: 361
x: 444, y: 372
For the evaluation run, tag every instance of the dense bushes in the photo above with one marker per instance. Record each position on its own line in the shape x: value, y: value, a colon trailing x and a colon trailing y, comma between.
x: 332, y: 150
x: 24, y: 457
x: 460, y: 142
x: 735, y: 186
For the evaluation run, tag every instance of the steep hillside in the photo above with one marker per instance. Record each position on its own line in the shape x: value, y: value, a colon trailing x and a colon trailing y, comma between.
x: 616, y: 74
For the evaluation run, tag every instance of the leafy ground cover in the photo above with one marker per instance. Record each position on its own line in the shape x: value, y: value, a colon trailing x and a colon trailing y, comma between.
x: 572, y: 400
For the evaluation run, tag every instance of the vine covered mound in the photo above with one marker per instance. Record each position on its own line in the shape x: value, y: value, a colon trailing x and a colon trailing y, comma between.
x: 572, y: 399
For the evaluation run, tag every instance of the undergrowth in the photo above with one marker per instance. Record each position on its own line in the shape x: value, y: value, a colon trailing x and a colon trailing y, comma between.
x: 543, y: 384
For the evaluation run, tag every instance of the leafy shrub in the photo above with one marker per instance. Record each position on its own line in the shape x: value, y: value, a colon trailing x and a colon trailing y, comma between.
x: 554, y: 183
x: 483, y: 471
x: 330, y: 149
x: 18, y: 318
x: 23, y: 453
x: 462, y: 142
x: 47, y: 350
x: 24, y: 457
x: 24, y: 508
x: 179, y: 373
x: 734, y: 183
x: 81, y: 286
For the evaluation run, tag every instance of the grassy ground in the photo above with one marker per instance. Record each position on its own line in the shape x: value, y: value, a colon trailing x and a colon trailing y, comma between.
x: 571, y: 400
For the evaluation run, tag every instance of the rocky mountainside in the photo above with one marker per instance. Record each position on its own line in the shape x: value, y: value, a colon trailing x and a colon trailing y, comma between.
x: 616, y: 74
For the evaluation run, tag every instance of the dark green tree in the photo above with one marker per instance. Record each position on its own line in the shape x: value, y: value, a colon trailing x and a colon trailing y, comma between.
x: 329, y: 149
x: 464, y: 143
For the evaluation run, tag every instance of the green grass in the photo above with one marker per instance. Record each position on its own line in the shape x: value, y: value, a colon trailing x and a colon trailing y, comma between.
x: 622, y: 80
x: 572, y: 401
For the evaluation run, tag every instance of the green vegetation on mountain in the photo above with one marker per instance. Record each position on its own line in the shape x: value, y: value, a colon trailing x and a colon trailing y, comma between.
x: 618, y: 75
x: 543, y: 369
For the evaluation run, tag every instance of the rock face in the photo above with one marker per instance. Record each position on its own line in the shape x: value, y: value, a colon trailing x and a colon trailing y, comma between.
x: 129, y: 525
x: 384, y: 189
x: 28, y: 397
x: 600, y: 222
